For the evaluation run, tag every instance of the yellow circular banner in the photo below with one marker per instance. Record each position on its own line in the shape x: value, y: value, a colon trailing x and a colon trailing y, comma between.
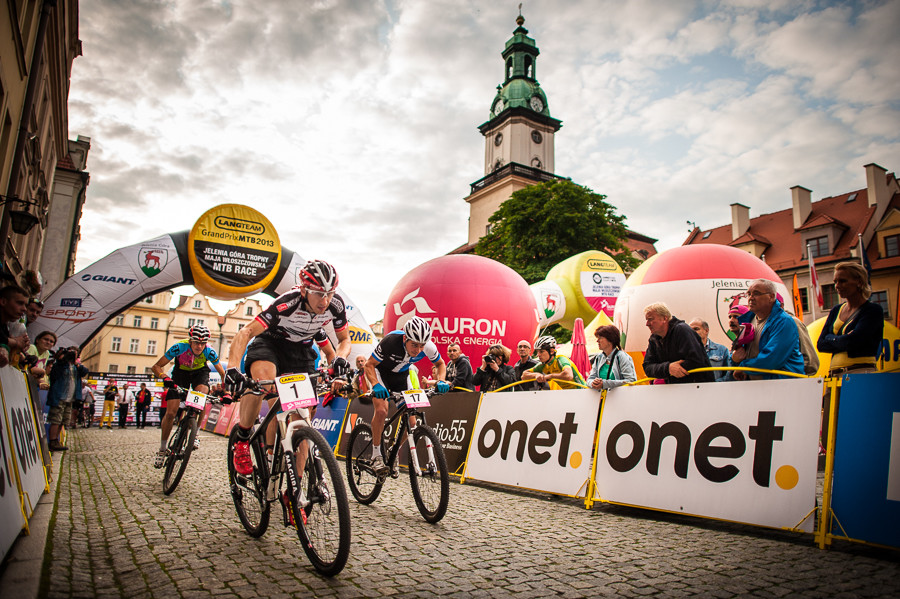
x: 233, y: 251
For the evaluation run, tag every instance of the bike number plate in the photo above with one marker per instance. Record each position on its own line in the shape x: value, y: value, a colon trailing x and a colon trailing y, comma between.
x: 195, y: 400
x: 296, y: 391
x: 415, y: 398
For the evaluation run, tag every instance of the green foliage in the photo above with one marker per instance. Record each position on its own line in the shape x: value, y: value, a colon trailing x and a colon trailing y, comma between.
x: 541, y: 225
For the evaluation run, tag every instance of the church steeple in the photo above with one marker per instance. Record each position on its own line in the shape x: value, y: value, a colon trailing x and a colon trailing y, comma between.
x: 520, y: 88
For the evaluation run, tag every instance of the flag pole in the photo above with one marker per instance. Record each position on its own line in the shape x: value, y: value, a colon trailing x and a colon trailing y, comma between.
x: 813, y: 280
x: 861, y: 248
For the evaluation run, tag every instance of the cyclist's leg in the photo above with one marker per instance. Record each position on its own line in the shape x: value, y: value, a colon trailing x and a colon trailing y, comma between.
x: 173, y: 400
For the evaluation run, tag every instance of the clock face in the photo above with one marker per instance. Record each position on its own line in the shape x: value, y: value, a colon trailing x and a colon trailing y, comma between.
x: 536, y: 137
x: 498, y: 139
x: 498, y: 107
x: 537, y: 104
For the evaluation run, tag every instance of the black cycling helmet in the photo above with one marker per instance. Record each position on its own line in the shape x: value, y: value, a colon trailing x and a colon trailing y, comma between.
x: 198, y: 332
x: 318, y: 275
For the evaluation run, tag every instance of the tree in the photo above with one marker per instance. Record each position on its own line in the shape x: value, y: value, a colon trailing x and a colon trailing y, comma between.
x: 542, y: 225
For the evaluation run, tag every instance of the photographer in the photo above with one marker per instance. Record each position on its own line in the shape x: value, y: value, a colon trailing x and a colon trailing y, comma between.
x: 66, y: 373
x: 495, y: 372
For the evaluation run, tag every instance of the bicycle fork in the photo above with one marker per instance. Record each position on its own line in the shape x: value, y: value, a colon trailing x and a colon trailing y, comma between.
x: 429, y: 448
x: 290, y: 459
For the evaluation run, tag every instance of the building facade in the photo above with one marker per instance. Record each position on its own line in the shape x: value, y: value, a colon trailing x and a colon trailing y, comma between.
x: 830, y: 230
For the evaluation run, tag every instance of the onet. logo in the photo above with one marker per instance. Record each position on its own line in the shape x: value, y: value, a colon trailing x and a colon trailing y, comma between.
x: 420, y: 306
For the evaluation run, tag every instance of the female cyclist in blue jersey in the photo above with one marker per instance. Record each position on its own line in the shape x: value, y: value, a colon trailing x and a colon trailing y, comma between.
x: 189, y: 372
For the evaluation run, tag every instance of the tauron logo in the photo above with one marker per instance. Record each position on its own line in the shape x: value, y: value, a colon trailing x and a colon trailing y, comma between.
x: 419, y: 305
x: 240, y: 225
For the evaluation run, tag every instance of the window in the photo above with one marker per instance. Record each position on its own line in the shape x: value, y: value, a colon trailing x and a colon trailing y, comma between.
x: 120, y: 320
x: 829, y: 294
x: 131, y: 370
x: 148, y: 300
x: 249, y: 310
x: 240, y: 326
x: 881, y: 298
x: 197, y: 305
x: 137, y: 321
x: 113, y: 368
x: 804, y: 299
x: 891, y: 246
x: 154, y: 323
x: 116, y: 344
x: 148, y: 370
x: 193, y: 321
x: 151, y: 347
x: 133, y: 346
x: 818, y: 247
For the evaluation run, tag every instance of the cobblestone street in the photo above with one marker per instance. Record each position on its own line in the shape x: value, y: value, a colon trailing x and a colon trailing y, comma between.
x: 116, y: 535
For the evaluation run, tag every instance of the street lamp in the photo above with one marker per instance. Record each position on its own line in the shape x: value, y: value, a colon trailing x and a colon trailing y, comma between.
x: 21, y: 220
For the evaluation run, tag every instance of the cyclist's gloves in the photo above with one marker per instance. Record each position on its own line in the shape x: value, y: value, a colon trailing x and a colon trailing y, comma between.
x: 442, y: 387
x: 340, y: 366
x: 380, y: 391
x: 235, y: 381
x: 168, y: 383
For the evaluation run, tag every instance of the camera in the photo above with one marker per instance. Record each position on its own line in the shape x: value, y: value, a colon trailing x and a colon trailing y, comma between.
x: 489, y: 359
x: 28, y: 360
x: 65, y: 355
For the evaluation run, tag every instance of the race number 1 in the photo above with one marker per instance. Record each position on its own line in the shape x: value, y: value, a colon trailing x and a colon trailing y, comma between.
x: 295, y: 391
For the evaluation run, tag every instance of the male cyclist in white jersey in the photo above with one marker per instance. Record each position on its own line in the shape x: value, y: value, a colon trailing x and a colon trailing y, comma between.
x: 283, y: 335
x: 190, y: 372
x: 387, y: 371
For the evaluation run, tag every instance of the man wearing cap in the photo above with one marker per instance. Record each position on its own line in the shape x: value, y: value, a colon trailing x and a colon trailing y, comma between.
x: 526, y: 362
x: 735, y: 329
x: 717, y: 354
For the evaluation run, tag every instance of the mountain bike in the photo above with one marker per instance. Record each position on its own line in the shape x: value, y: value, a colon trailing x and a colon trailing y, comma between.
x: 428, y: 474
x: 301, y: 473
x: 183, y: 436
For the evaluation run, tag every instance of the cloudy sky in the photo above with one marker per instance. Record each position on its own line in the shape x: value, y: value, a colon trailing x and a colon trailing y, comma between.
x: 352, y: 124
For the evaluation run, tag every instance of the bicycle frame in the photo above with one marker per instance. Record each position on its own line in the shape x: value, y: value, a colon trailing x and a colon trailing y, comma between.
x: 402, y: 414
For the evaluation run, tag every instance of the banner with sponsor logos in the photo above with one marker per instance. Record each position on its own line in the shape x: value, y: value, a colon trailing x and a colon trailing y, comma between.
x: 19, y: 420
x: 866, y: 494
x: 451, y: 416
x: 541, y: 440
x: 329, y: 419
x: 741, y: 451
x: 12, y: 519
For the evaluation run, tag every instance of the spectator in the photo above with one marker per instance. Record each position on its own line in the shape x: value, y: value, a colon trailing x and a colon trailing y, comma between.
x: 613, y: 367
x: 65, y: 389
x: 359, y: 383
x: 40, y: 350
x: 124, y: 400
x: 13, y: 300
x: 142, y: 401
x: 525, y: 362
x: 735, y: 329
x: 459, y: 369
x: 33, y: 309
x: 110, y: 393
x: 717, y: 354
x: 674, y: 348
x: 495, y: 372
x: 854, y: 329
x: 557, y: 371
x: 776, y: 338
x: 88, y: 399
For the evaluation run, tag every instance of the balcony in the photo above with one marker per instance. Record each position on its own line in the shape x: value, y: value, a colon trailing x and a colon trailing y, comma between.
x: 514, y: 168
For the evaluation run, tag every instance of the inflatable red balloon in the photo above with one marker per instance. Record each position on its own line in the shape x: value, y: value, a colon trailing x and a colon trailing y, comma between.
x: 471, y: 300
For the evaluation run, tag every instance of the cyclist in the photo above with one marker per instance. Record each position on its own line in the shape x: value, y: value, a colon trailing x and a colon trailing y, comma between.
x: 388, y: 370
x: 190, y: 372
x: 283, y: 335
x: 557, y: 371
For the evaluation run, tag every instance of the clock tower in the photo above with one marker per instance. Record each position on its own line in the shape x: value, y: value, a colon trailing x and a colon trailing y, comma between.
x: 518, y: 135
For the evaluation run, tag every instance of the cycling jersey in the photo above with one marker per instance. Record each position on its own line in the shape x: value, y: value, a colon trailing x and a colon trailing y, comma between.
x: 394, y: 363
x: 557, y: 364
x: 184, y: 358
x: 289, y: 318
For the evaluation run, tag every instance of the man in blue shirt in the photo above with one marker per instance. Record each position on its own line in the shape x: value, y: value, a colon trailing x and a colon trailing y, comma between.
x: 718, y: 354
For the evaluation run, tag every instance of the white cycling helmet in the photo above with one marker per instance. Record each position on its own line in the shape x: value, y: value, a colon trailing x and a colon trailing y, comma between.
x: 198, y: 332
x: 417, y: 330
x: 547, y: 342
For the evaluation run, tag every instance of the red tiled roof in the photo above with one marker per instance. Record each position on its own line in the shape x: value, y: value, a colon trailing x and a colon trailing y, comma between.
x: 787, y: 252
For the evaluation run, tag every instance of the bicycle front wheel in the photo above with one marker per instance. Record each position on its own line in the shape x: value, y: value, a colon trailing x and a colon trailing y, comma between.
x: 364, y: 485
x: 248, y: 492
x: 431, y: 488
x: 179, y: 451
x: 324, y: 524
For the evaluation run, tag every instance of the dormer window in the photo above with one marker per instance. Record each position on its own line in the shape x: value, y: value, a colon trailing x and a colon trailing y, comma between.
x: 818, y: 247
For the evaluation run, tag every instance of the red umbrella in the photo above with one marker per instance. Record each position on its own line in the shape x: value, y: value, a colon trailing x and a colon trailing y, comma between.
x: 579, y: 355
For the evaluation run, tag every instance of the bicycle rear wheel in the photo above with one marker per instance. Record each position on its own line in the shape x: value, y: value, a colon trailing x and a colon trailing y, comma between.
x: 324, y: 526
x: 431, y: 489
x: 179, y: 452
x: 248, y: 492
x: 364, y: 485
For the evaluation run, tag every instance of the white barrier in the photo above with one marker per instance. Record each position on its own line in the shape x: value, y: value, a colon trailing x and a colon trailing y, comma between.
x: 538, y: 440
x: 742, y: 451
x: 12, y: 519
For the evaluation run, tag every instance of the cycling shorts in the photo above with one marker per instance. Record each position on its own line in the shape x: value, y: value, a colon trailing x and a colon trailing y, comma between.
x: 187, y: 379
x: 289, y: 358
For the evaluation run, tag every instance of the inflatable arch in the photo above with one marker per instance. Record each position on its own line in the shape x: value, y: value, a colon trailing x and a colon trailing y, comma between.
x: 229, y: 267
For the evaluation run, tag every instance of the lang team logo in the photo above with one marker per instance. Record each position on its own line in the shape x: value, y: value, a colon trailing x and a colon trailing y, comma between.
x: 420, y: 306
x: 153, y: 260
